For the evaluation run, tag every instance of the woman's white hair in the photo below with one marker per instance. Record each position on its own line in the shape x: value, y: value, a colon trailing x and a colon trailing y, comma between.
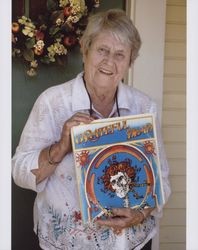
x: 116, y: 22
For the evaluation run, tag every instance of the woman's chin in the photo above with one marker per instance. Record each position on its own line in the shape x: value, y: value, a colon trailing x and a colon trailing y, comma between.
x: 105, y: 80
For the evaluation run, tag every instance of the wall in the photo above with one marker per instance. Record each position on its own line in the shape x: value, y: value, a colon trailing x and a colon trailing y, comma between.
x: 25, y: 90
x: 173, y: 223
x: 147, y: 72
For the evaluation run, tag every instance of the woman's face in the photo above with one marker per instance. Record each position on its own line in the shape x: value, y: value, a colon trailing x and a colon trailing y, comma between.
x: 106, y: 61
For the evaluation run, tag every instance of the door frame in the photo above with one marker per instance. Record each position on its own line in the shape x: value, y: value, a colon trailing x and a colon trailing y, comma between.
x: 148, y: 70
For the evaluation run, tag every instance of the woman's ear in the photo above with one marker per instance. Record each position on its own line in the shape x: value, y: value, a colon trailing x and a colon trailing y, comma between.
x: 83, y: 56
x: 82, y: 51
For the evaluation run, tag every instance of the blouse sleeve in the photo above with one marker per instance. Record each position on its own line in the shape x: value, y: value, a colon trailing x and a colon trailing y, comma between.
x: 37, y: 134
x: 163, y: 162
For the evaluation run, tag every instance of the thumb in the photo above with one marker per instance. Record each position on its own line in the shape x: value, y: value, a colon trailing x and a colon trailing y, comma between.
x: 120, y: 211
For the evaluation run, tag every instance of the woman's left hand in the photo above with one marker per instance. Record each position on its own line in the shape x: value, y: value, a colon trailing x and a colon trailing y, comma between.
x: 123, y: 218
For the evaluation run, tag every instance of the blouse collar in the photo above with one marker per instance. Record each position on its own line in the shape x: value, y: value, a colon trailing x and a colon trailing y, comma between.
x: 80, y: 98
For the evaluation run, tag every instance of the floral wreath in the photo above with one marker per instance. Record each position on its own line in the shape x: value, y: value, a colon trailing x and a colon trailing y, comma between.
x: 48, y: 39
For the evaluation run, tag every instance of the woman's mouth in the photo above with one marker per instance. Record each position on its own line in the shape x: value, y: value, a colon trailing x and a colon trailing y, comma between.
x: 106, y: 72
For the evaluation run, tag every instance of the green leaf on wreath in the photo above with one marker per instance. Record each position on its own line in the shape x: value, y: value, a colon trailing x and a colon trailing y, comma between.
x: 57, y: 15
x: 51, y: 5
x: 45, y: 60
x: 53, y: 30
x: 28, y: 54
x: 30, y: 43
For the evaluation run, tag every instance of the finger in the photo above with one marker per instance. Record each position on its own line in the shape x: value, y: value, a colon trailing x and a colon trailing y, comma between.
x: 121, y: 212
x: 129, y: 216
x: 82, y: 117
x: 76, y: 120
x: 112, y: 222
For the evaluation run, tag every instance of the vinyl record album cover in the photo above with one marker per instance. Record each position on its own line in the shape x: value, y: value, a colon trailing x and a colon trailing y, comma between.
x: 117, y: 165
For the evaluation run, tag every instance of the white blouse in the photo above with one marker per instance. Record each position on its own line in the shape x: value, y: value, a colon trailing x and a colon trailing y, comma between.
x: 57, y: 219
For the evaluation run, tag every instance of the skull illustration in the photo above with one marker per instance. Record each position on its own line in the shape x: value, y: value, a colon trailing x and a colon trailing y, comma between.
x: 120, y: 183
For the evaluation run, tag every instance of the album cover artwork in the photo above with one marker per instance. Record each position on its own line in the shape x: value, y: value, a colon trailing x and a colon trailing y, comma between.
x: 117, y: 165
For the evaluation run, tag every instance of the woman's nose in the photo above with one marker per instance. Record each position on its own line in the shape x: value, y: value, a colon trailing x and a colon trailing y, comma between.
x: 109, y: 59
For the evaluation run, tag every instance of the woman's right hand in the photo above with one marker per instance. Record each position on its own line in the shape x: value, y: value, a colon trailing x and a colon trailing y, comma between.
x: 75, y: 120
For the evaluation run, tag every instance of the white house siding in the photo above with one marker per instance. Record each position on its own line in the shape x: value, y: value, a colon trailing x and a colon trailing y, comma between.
x: 173, y: 223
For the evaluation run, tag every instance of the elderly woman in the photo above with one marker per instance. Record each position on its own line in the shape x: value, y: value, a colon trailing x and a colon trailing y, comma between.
x: 44, y: 162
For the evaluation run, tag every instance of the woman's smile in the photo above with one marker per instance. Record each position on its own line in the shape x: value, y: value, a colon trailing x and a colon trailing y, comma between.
x: 106, y: 62
x: 105, y: 71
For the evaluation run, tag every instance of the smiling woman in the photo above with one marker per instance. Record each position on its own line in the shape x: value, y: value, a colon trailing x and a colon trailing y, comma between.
x: 44, y: 162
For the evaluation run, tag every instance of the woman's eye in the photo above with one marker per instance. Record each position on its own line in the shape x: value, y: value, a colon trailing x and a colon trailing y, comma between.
x: 103, y: 51
x: 119, y: 56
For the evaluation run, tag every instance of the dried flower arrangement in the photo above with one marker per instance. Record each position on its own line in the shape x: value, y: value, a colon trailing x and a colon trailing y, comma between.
x: 48, y: 39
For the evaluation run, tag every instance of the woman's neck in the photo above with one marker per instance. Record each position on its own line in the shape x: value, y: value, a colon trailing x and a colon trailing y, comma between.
x: 102, y: 99
x: 101, y: 95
